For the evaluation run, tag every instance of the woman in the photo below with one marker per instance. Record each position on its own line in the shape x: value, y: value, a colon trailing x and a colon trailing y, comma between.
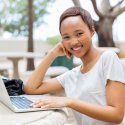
x: 95, y: 89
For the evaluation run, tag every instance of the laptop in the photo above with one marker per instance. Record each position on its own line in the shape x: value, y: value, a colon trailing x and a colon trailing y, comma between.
x: 20, y: 103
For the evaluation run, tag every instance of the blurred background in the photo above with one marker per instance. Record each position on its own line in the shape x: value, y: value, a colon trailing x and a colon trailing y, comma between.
x: 32, y: 26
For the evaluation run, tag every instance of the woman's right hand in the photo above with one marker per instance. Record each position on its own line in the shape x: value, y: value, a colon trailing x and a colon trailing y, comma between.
x: 59, y: 50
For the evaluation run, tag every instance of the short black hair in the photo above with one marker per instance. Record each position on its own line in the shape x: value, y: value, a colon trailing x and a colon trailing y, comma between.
x: 75, y: 11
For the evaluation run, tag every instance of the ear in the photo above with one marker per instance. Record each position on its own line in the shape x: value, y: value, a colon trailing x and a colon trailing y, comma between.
x: 92, y: 31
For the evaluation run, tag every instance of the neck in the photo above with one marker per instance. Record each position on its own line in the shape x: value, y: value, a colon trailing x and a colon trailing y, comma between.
x: 91, y: 55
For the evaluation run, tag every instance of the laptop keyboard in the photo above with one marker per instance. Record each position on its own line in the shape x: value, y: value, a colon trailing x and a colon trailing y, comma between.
x: 21, y: 102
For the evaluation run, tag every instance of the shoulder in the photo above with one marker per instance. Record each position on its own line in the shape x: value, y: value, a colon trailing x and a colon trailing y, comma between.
x: 109, y: 55
x: 111, y: 60
x: 112, y: 67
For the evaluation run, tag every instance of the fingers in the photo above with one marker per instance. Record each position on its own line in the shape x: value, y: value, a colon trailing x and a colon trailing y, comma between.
x: 67, y: 53
x: 64, y: 50
x: 50, y: 103
x: 43, y: 104
x: 38, y: 104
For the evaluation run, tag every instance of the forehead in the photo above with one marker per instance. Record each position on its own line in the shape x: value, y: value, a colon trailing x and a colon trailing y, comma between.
x: 72, y: 22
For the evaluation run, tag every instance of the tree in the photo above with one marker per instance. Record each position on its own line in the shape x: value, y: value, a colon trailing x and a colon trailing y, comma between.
x: 30, y: 62
x: 19, y: 18
x: 107, y: 15
x: 14, y: 15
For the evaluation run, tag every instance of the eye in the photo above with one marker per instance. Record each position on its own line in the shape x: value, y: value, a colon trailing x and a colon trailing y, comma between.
x: 79, y: 34
x: 66, y: 37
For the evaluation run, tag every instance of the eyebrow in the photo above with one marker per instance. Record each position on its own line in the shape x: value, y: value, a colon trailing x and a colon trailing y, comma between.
x: 65, y: 34
x: 78, y: 30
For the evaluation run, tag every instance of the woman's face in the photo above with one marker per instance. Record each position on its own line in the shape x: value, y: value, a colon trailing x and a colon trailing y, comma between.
x: 76, y: 36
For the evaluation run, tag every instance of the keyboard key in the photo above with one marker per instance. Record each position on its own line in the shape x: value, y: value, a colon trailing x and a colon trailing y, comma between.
x: 21, y: 102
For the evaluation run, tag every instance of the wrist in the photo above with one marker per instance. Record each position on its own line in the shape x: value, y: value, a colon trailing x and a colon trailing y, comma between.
x: 53, y: 53
x: 69, y: 102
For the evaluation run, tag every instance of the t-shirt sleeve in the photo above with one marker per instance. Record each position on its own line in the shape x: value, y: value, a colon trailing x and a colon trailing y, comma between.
x: 62, y: 78
x: 113, y: 69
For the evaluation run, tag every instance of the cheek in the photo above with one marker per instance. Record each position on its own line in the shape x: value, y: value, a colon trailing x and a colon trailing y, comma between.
x: 85, y: 39
x: 66, y: 44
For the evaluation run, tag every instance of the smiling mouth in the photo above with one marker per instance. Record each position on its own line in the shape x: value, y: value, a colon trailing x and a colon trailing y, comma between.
x: 77, y: 48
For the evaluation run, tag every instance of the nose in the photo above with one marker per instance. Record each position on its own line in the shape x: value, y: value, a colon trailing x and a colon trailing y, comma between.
x: 75, y: 40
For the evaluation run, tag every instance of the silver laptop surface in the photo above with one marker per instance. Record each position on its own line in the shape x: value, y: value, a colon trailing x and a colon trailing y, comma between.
x: 18, y: 103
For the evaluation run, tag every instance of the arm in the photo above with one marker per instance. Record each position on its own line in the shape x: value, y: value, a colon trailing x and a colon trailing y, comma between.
x: 113, y: 112
x: 35, y: 83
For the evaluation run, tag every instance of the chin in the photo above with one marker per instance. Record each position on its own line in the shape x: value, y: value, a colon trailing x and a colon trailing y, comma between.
x: 81, y: 55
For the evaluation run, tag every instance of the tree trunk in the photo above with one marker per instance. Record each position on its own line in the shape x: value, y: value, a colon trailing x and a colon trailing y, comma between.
x: 30, y: 62
x: 104, y: 31
x: 104, y: 26
x: 76, y: 2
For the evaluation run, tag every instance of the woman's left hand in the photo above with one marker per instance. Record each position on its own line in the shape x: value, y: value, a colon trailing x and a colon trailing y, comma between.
x: 52, y: 102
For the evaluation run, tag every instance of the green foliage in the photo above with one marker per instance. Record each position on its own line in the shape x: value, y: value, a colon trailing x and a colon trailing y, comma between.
x: 15, y: 18
x: 54, y: 39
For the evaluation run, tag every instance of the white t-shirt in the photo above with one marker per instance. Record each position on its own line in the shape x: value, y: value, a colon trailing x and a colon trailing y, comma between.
x: 91, y: 86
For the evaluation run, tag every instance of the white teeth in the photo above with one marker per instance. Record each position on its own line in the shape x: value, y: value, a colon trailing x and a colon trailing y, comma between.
x: 77, y: 48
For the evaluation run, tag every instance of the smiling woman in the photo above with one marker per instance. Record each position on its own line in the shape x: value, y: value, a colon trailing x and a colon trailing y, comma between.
x: 91, y: 87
